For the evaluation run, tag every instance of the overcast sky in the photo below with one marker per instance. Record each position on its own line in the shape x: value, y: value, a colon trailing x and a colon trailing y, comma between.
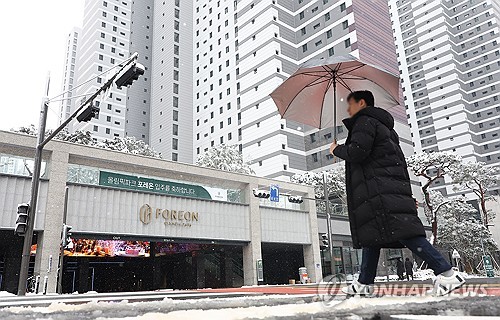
x: 33, y: 35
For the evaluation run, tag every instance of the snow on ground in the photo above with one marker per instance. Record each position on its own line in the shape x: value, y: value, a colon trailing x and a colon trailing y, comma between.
x: 238, y: 308
x: 415, y: 317
x: 358, y: 302
x: 262, y: 312
x: 6, y: 294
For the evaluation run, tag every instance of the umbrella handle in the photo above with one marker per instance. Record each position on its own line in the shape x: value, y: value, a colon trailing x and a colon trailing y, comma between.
x: 334, y: 157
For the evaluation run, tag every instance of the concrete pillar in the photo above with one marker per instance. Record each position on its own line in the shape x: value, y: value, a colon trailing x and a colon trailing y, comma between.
x: 49, y: 242
x: 253, y: 250
x: 312, y: 255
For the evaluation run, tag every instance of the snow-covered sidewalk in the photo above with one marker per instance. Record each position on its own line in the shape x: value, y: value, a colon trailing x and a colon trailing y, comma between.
x: 259, y: 307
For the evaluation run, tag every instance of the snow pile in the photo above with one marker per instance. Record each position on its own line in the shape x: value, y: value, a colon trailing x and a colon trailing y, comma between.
x: 6, y: 294
x: 262, y: 312
x: 363, y: 303
x: 167, y: 304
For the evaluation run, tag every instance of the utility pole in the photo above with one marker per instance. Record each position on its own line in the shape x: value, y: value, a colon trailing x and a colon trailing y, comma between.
x: 35, y: 182
x: 126, y: 78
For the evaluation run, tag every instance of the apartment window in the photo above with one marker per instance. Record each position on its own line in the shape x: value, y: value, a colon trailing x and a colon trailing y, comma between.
x: 347, y: 43
x: 331, y: 51
x: 175, y: 143
x: 303, y: 31
x: 345, y: 24
x: 312, y: 136
x: 342, y: 7
x: 304, y: 47
x: 175, y: 130
x: 327, y: 16
x: 175, y: 157
x: 329, y: 34
x: 315, y: 157
x: 175, y: 115
x: 301, y: 15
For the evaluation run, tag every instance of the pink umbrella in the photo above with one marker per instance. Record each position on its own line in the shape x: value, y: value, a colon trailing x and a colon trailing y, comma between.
x: 310, y: 96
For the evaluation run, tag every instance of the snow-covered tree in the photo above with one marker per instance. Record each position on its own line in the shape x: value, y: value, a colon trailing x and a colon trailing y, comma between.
x: 226, y: 158
x: 129, y: 145
x: 79, y: 137
x: 478, y: 177
x: 31, y: 130
x: 335, y: 181
x: 459, y: 228
x: 126, y: 144
x: 431, y: 167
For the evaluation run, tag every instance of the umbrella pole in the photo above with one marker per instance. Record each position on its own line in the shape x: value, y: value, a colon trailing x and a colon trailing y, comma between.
x: 334, y: 113
x: 334, y: 110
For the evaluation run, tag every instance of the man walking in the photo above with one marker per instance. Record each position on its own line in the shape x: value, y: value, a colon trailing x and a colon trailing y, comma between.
x: 382, y: 212
x: 400, y: 269
x: 409, y: 269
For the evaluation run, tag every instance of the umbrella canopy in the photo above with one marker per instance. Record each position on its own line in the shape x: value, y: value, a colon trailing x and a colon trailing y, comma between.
x: 315, y: 94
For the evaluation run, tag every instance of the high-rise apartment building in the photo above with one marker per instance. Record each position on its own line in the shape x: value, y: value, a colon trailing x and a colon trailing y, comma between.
x: 69, y: 73
x: 246, y: 48
x: 211, y: 65
x: 449, y: 59
x: 171, y: 116
x: 108, y: 37
x: 216, y: 103
x: 158, y: 107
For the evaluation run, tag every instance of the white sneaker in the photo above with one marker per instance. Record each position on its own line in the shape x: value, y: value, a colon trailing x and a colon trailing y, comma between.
x: 356, y: 288
x: 444, y: 285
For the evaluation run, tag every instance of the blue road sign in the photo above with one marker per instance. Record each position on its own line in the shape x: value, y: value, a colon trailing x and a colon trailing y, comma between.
x: 274, y: 191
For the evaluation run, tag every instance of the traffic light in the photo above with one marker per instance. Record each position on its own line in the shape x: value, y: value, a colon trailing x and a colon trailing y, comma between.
x: 66, y: 235
x: 264, y: 194
x: 131, y: 74
x: 295, y: 199
x: 22, y: 219
x: 324, y: 241
x: 87, y: 114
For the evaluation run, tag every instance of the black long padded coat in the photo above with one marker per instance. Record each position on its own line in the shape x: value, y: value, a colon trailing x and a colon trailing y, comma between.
x: 381, y: 207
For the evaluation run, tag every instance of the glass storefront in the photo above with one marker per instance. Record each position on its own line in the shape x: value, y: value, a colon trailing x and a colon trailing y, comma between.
x: 117, y: 265
x: 346, y: 260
